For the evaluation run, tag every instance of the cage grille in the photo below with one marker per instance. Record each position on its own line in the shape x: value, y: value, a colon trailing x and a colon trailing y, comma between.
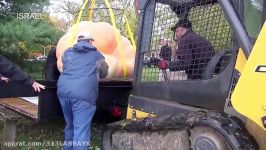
x: 186, y: 39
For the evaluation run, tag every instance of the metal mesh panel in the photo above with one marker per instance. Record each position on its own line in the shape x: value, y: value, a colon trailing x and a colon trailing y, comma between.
x: 190, y: 41
x: 235, y: 80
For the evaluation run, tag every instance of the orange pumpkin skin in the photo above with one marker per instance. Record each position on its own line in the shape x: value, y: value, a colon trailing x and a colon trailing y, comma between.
x: 119, y: 73
x: 105, y: 42
x: 102, y: 32
x: 111, y: 61
x: 128, y: 49
x: 105, y: 39
x: 128, y: 53
x: 61, y: 47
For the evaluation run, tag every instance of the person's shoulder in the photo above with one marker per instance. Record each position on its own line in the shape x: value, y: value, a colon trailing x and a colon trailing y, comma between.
x: 193, y: 37
x: 190, y: 35
x: 187, y: 38
x: 68, y: 51
x: 168, y: 47
x: 100, y: 54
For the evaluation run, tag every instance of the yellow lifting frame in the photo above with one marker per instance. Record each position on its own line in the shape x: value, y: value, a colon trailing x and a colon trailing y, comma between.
x: 107, y: 3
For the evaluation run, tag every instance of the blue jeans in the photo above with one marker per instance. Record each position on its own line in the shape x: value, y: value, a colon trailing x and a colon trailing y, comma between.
x: 78, y: 115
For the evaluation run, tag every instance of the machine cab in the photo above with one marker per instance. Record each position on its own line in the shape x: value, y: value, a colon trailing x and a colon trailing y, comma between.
x: 202, y: 79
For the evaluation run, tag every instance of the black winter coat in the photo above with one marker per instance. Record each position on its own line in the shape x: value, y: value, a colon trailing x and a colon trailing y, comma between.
x: 51, y: 71
x: 166, y: 53
x: 193, y: 54
x: 9, y: 70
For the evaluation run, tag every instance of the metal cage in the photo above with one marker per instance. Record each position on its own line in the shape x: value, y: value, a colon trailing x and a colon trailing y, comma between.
x: 195, y: 67
x: 193, y: 37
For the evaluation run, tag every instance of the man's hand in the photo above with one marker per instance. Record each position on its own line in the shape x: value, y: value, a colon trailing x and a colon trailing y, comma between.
x: 37, y: 86
x: 5, y: 79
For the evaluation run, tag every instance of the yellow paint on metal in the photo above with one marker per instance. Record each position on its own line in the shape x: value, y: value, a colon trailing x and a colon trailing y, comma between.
x: 249, y: 95
x: 255, y: 130
x: 71, y: 42
x: 241, y: 61
x: 139, y: 114
x: 91, y: 10
x: 117, y: 38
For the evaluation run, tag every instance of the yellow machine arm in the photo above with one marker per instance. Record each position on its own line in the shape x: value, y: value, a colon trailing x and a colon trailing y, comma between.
x: 249, y: 97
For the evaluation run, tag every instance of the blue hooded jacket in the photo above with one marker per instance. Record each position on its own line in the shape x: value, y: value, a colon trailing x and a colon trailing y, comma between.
x: 79, y: 77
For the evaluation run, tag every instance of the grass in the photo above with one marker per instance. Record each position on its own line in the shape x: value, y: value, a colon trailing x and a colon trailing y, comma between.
x: 150, y: 74
x: 51, y: 134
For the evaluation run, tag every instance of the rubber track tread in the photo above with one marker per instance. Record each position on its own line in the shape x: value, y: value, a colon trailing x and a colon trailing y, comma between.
x: 230, y: 127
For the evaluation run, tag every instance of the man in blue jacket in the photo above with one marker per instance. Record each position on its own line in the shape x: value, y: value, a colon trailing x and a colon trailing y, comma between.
x: 77, y: 89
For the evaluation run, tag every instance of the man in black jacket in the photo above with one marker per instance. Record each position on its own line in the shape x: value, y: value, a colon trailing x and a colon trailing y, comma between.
x: 193, y: 52
x: 51, y: 71
x: 10, y: 71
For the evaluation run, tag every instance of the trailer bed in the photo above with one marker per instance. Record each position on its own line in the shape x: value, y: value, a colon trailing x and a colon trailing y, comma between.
x: 46, y: 106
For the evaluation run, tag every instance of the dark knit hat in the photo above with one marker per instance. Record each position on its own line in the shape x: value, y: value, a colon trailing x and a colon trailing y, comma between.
x: 185, y: 23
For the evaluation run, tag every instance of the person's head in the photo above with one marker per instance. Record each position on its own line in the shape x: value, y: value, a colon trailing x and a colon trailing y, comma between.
x: 181, y: 27
x: 53, y: 46
x: 85, y: 37
x: 164, y: 42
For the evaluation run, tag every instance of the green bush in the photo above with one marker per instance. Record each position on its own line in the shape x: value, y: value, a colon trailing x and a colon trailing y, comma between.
x: 35, y: 69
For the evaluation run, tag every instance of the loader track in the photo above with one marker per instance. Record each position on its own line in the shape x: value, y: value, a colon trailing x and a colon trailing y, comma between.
x: 230, y: 128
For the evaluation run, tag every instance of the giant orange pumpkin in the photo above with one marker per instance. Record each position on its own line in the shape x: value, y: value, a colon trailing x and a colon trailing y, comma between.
x: 105, y: 42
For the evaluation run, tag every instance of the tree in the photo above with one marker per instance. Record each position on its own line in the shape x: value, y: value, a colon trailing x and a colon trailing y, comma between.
x: 20, y: 36
x: 68, y: 8
x: 12, y: 7
x: 59, y: 23
x: 122, y: 9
